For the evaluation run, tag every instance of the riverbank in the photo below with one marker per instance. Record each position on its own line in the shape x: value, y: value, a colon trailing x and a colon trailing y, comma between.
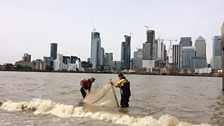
x: 134, y: 73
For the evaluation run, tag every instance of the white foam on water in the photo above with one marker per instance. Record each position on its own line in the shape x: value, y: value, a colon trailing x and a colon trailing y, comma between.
x: 41, y: 106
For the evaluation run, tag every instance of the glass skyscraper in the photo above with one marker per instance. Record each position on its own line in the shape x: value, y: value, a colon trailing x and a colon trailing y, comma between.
x: 54, y: 48
x: 126, y: 53
x: 200, y: 59
x: 188, y: 54
x: 95, y: 58
x: 217, y: 53
x: 217, y: 46
x: 151, y: 39
x: 185, y: 41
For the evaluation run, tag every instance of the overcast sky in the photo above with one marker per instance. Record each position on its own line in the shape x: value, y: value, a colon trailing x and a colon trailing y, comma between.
x: 29, y: 26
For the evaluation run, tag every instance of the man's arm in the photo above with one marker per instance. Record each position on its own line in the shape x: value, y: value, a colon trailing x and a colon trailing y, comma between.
x: 119, y: 83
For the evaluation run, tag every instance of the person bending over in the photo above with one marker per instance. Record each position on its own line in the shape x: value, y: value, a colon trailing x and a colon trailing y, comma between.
x: 86, y: 85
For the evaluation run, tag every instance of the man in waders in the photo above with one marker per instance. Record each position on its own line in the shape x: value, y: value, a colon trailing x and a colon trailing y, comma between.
x: 124, y: 86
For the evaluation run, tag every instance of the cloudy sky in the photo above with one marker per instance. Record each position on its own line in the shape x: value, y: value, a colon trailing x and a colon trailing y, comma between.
x: 29, y: 26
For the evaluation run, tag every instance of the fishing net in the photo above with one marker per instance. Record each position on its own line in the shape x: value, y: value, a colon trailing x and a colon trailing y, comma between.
x: 105, y: 96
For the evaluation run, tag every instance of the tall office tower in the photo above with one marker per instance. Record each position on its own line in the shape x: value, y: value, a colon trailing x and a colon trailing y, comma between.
x: 155, y: 51
x: 149, y: 50
x: 110, y: 59
x: 146, y: 51
x: 126, y: 53
x: 54, y: 47
x: 222, y: 35
x: 222, y: 42
x: 200, y: 59
x: 159, y: 48
x: 163, y: 50
x: 151, y: 39
x: 217, y: 53
x: 106, y: 55
x: 177, y: 55
x: 137, y: 61
x: 102, y: 56
x: 95, y: 49
x: 185, y: 41
x: 188, y: 54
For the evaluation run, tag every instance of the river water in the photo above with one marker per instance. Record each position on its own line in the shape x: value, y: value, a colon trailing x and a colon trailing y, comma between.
x: 49, y: 99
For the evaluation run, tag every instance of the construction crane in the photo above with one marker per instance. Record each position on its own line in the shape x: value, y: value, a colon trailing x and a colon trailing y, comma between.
x: 147, y: 27
x: 131, y: 33
x: 170, y: 47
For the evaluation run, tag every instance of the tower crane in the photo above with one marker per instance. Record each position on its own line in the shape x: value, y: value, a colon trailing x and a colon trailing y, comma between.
x: 147, y: 27
x: 131, y: 33
x: 170, y: 47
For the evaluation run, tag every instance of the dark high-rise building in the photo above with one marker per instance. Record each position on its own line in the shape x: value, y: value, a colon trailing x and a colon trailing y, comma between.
x: 126, y: 53
x: 123, y: 54
x: 185, y: 41
x: 54, y: 48
x: 151, y: 39
x: 150, y: 34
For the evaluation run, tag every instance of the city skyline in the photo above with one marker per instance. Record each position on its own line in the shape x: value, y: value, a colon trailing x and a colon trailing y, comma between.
x: 30, y: 26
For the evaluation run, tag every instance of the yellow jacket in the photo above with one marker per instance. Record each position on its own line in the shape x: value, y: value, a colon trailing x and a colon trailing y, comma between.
x: 119, y: 83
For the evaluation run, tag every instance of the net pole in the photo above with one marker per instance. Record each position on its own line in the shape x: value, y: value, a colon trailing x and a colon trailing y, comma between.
x: 114, y: 95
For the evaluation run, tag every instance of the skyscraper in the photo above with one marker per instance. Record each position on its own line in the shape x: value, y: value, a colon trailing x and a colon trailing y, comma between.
x: 108, y: 58
x: 222, y: 35
x: 54, y: 47
x: 149, y: 51
x: 151, y: 39
x: 177, y: 55
x: 146, y: 51
x: 102, y: 56
x: 137, y: 59
x: 188, y: 54
x: 185, y: 41
x: 217, y: 53
x: 200, y: 59
x: 160, y: 48
x: 126, y: 53
x: 95, y: 49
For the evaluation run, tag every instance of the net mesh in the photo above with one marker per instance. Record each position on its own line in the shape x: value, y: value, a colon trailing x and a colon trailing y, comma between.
x: 105, y: 96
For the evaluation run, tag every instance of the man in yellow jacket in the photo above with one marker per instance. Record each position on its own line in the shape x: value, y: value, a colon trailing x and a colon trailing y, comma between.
x: 124, y: 86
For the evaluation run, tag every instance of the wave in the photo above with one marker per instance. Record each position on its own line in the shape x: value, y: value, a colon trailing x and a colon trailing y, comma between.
x: 42, y: 106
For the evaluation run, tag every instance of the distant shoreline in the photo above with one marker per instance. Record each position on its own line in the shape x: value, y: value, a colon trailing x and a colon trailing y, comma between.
x: 131, y: 73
